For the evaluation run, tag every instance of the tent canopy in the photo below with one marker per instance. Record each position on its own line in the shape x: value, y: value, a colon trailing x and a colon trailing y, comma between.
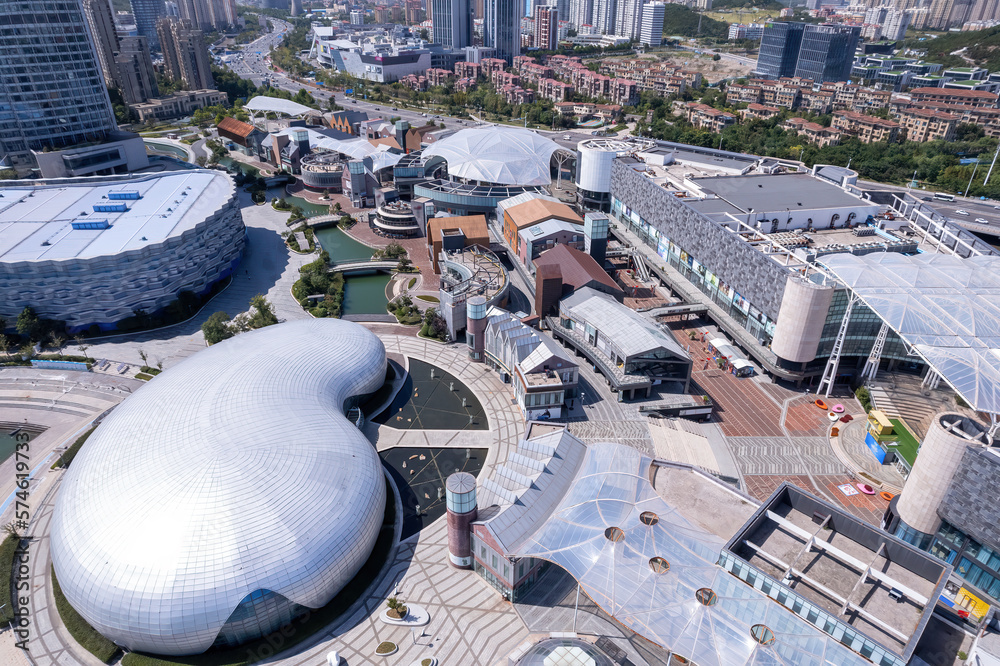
x: 277, y: 105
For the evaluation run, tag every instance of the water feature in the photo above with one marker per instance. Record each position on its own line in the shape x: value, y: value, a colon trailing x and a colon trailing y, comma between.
x: 420, y: 475
x: 341, y: 246
x: 432, y: 399
x: 166, y: 149
x: 9, y: 442
x: 365, y: 294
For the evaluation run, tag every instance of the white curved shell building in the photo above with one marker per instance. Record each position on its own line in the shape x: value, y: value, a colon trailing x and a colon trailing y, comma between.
x: 497, y: 156
x: 228, y: 495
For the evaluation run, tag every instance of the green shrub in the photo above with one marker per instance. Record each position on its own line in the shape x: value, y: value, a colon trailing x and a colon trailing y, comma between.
x: 864, y: 397
x: 7, y: 549
x: 84, y: 634
x: 413, y: 281
x: 150, y: 371
x: 143, y: 376
x: 67, y: 457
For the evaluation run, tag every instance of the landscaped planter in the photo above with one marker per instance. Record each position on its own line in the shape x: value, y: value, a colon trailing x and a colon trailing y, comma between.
x: 386, y: 648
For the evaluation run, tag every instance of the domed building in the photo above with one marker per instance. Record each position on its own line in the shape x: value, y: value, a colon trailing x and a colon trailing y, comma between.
x: 229, y: 495
x: 474, y: 169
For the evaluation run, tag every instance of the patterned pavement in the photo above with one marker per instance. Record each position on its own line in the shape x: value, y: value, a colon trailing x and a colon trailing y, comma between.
x: 774, y: 434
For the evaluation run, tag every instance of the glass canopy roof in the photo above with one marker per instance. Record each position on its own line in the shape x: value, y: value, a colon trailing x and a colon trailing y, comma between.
x: 657, y: 573
x: 943, y: 306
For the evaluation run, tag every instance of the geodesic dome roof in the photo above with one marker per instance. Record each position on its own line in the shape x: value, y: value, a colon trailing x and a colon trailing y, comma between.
x: 497, y: 155
x: 233, y: 473
x: 945, y: 307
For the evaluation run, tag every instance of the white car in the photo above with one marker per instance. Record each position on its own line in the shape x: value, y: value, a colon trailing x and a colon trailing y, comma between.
x: 982, y: 221
x: 961, y: 212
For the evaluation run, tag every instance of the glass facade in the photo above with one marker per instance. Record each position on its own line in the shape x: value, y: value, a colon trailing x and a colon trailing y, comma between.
x: 810, y: 612
x: 779, y: 48
x: 979, y: 565
x: 827, y: 52
x: 52, y: 91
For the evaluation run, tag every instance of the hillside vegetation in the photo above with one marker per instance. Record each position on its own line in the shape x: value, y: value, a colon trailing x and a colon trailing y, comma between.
x: 681, y: 21
x: 982, y: 46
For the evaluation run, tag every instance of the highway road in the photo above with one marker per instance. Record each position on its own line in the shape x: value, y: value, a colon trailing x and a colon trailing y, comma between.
x: 255, y: 65
x: 973, y: 209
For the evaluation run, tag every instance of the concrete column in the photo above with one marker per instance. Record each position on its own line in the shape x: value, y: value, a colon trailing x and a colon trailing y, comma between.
x: 940, y: 456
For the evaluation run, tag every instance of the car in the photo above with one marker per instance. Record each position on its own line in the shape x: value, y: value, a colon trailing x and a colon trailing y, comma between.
x: 996, y: 207
x: 377, y: 108
x: 395, y: 109
x: 424, y: 115
x: 961, y: 212
x: 567, y: 138
x: 982, y: 220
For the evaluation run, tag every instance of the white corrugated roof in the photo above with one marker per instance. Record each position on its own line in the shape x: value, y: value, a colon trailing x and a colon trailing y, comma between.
x: 276, y: 104
x: 628, y: 331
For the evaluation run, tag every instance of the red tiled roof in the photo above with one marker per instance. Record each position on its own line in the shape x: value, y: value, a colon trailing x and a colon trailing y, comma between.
x: 985, y: 94
x: 235, y: 127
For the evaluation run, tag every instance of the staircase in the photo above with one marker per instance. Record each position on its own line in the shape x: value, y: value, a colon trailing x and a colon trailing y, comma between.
x: 903, y: 396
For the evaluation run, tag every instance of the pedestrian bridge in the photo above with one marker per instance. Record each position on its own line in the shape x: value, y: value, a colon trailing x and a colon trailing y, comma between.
x: 367, y: 265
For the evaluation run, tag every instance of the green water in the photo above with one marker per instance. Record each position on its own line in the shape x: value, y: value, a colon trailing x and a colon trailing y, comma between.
x: 341, y: 246
x: 433, y: 403
x: 170, y: 149
x: 365, y: 294
x: 8, y: 442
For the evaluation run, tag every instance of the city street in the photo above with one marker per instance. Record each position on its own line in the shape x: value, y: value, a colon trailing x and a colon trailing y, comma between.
x: 254, y: 65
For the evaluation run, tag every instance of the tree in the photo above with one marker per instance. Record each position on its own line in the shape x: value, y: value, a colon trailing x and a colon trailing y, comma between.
x: 424, y: 35
x: 5, y: 345
x: 143, y: 356
x: 404, y: 265
x: 336, y: 207
x: 8, y: 174
x: 326, y: 194
x: 82, y: 345
x: 434, y: 325
x: 216, y: 328
x: 200, y: 160
x: 58, y: 340
x: 28, y: 324
x: 261, y: 313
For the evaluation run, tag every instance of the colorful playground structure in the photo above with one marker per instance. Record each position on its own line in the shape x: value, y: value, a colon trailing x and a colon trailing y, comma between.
x: 890, y: 441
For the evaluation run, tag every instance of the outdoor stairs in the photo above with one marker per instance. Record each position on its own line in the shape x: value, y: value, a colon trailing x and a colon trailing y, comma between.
x: 903, y: 396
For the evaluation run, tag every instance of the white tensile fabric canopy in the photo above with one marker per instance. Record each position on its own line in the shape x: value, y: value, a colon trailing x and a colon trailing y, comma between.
x: 497, y: 155
x: 277, y: 105
x: 944, y: 307
x: 611, y: 489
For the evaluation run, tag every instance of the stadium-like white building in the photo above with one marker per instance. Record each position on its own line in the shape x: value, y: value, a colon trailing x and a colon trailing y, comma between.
x: 474, y: 169
x: 91, y: 251
x: 227, y: 496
